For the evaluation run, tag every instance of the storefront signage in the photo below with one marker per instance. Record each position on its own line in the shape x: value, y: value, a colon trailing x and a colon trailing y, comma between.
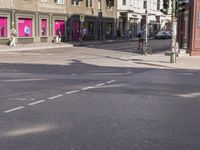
x: 82, y: 18
x: 3, y: 26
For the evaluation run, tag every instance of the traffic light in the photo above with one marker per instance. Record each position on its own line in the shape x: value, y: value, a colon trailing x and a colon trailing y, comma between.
x: 165, y: 7
x: 181, y: 5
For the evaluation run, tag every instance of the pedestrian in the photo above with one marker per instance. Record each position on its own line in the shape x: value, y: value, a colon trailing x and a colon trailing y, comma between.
x: 13, y: 36
x: 58, y: 36
x: 141, y: 37
x: 83, y: 35
x: 129, y: 34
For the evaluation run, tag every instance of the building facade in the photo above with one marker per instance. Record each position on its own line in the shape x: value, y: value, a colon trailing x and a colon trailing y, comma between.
x: 134, y: 14
x: 39, y: 20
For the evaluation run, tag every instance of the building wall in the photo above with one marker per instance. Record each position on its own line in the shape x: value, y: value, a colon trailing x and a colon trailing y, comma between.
x: 35, y: 11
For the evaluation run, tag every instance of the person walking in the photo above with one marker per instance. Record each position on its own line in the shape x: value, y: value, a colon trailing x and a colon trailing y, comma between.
x: 58, y: 36
x: 141, y: 38
x: 13, y: 36
x: 83, y: 36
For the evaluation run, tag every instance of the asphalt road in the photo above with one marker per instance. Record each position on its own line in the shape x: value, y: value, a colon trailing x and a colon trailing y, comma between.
x: 89, y: 107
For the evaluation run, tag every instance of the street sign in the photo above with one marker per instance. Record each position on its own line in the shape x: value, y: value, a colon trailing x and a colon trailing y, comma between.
x: 82, y: 18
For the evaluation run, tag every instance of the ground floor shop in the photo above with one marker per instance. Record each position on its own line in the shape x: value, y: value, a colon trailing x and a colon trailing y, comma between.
x: 42, y: 27
x: 32, y: 27
x: 92, y: 25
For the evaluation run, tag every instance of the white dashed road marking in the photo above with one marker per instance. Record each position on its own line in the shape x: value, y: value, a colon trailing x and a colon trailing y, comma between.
x: 57, y: 96
x: 54, y: 97
x: 87, y: 88
x: 101, y: 84
x: 37, y: 102
x: 14, y: 109
x: 110, y: 81
x: 75, y: 91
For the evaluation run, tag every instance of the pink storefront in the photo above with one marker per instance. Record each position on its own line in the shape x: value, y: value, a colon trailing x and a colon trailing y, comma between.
x: 3, y: 26
x: 44, y: 27
x: 59, y: 25
x: 25, y: 27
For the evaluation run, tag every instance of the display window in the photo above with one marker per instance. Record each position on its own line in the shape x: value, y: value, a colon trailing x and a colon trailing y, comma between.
x: 3, y: 26
x: 25, y: 27
x: 44, y: 27
x: 109, y: 29
x: 59, y: 25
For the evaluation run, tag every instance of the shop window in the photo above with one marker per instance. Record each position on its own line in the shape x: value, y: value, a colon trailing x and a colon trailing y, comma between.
x: 25, y: 27
x: 59, y: 25
x: 3, y: 26
x: 109, y: 29
x: 44, y: 27
x: 90, y: 28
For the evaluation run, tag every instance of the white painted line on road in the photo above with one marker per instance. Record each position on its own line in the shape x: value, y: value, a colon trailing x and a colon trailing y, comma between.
x: 110, y: 81
x: 54, y: 97
x: 22, y: 80
x: 101, y: 84
x: 71, y: 92
x: 87, y: 88
x: 37, y: 102
x: 14, y: 109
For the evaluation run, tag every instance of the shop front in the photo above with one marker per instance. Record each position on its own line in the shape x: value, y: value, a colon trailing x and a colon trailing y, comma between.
x: 25, y: 26
x: 4, y: 28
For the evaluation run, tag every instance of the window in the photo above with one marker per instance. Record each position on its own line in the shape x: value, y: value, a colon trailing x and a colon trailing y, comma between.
x: 59, y: 25
x: 90, y: 28
x: 25, y: 27
x: 75, y: 2
x: 110, y: 4
x: 44, y: 0
x: 109, y: 29
x: 3, y: 26
x: 43, y: 27
x: 89, y: 3
x: 145, y: 4
x: 59, y: 1
x: 124, y: 2
x: 158, y: 4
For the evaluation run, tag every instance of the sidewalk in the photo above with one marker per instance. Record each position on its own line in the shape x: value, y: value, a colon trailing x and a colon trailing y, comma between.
x: 163, y: 61
x: 133, y: 59
x: 35, y: 46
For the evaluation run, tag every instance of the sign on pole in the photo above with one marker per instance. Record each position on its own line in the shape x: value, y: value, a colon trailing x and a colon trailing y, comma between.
x: 82, y: 18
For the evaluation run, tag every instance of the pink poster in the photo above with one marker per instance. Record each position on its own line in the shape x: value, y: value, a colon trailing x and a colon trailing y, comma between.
x: 59, y: 25
x: 3, y: 26
x: 25, y: 27
x: 44, y: 27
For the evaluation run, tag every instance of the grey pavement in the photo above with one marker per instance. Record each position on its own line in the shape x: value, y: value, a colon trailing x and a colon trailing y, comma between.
x: 159, y: 60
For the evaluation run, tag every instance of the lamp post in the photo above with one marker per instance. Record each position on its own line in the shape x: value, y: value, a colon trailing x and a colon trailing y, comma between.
x: 174, y: 28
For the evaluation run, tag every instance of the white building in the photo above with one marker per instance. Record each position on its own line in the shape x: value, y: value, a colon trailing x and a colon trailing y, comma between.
x: 131, y: 14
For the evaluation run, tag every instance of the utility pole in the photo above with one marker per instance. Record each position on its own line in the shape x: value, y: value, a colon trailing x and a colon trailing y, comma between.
x: 100, y: 20
x: 146, y: 12
x: 174, y: 31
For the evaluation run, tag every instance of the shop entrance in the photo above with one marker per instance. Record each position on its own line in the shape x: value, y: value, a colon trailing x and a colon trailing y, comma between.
x: 75, y: 30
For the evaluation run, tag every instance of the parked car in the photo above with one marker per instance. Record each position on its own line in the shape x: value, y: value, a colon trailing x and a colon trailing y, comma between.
x: 163, y: 35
